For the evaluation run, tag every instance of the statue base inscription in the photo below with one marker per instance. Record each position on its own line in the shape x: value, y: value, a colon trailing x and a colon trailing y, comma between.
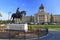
x: 17, y: 27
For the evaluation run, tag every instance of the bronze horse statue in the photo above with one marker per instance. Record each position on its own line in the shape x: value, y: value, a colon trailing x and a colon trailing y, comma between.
x: 18, y: 14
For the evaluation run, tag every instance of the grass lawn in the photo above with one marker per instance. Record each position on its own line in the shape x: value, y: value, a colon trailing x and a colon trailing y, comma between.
x: 30, y: 27
x: 55, y: 27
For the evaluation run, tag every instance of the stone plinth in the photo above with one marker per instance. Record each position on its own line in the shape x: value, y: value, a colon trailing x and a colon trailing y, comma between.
x: 17, y: 27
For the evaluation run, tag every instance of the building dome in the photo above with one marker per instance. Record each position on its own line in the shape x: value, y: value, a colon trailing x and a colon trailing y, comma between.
x: 41, y: 7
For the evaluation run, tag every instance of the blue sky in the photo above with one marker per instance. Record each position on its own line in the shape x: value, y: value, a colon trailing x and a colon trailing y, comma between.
x: 30, y: 6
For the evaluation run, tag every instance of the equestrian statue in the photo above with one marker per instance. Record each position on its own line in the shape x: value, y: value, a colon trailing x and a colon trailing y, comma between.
x: 18, y: 14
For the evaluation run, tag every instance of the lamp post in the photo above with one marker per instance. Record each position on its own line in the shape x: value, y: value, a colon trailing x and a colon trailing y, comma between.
x: 9, y: 15
x: 8, y: 19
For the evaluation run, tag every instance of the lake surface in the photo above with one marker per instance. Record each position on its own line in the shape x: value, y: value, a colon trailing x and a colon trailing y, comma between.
x: 23, y: 39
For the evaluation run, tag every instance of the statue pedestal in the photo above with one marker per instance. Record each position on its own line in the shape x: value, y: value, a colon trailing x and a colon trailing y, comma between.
x: 17, y: 27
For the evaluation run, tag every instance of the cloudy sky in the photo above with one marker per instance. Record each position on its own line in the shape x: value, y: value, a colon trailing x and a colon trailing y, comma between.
x: 30, y: 6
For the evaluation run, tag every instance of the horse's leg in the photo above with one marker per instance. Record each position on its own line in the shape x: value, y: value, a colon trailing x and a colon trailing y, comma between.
x: 21, y: 20
x: 16, y: 20
x: 13, y: 20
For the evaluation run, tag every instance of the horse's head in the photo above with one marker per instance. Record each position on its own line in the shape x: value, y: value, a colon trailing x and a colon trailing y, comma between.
x: 23, y: 13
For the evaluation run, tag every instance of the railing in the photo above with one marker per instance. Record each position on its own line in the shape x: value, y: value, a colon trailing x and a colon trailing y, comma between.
x: 21, y: 34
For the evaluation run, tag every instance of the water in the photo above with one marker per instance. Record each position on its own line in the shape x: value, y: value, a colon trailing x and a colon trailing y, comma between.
x: 18, y: 39
x: 22, y: 39
x: 11, y: 39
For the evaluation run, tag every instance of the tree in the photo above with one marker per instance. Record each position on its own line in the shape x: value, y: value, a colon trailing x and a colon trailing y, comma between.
x: 51, y: 19
x: 0, y: 15
x: 31, y: 18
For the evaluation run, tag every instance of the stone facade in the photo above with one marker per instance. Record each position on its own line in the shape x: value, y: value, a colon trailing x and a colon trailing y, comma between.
x: 56, y: 18
x: 26, y: 19
x: 42, y: 16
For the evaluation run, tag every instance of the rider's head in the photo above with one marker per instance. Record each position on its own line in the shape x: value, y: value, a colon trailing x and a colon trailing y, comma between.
x: 17, y: 8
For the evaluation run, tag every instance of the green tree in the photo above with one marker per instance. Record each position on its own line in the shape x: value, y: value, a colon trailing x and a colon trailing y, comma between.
x: 0, y: 15
x: 31, y: 18
x: 51, y: 19
x: 8, y: 21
